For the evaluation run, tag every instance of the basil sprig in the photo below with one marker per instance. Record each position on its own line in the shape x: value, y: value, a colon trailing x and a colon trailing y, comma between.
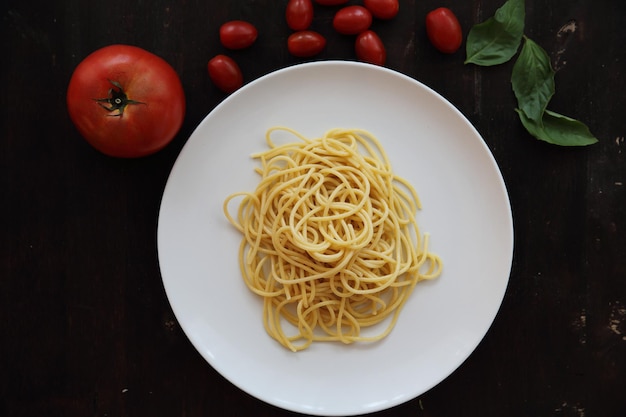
x: 496, y: 41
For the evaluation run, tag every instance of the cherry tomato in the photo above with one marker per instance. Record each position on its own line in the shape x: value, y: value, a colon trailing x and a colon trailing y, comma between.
x: 330, y: 2
x: 225, y: 73
x: 370, y: 48
x: 299, y: 14
x: 237, y: 34
x: 125, y: 101
x: 352, y: 20
x: 444, y: 30
x: 305, y: 43
x: 382, y: 9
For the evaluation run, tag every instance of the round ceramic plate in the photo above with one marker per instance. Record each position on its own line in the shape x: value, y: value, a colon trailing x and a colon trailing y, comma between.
x: 465, y: 209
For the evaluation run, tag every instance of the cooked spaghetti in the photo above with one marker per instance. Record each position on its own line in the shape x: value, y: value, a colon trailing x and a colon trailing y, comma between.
x: 330, y: 240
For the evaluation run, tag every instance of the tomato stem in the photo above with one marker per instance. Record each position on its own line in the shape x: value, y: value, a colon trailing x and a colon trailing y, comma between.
x: 117, y: 100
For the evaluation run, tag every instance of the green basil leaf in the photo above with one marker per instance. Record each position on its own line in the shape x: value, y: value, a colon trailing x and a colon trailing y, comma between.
x: 533, y: 80
x: 497, y: 39
x: 558, y: 129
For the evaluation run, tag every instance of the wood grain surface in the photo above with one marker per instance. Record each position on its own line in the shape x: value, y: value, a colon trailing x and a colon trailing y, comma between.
x: 85, y: 325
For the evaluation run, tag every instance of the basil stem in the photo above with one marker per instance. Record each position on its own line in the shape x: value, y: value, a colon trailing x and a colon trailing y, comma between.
x: 496, y: 40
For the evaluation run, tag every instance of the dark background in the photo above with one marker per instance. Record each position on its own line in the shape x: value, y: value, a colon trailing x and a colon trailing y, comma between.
x: 85, y: 326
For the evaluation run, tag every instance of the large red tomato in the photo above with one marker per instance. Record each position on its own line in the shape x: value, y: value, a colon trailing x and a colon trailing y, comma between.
x: 126, y: 101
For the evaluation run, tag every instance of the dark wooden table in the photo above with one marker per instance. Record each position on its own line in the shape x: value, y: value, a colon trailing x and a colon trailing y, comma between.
x: 85, y: 325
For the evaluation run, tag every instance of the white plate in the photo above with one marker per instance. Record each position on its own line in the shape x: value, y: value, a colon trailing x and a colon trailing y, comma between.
x: 465, y: 209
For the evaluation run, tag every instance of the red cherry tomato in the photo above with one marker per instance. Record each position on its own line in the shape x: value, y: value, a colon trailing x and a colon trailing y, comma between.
x: 237, y: 34
x: 225, y: 73
x: 125, y: 101
x: 444, y: 30
x: 299, y: 14
x: 352, y: 20
x: 382, y: 9
x: 305, y: 43
x: 369, y: 48
x: 330, y: 2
